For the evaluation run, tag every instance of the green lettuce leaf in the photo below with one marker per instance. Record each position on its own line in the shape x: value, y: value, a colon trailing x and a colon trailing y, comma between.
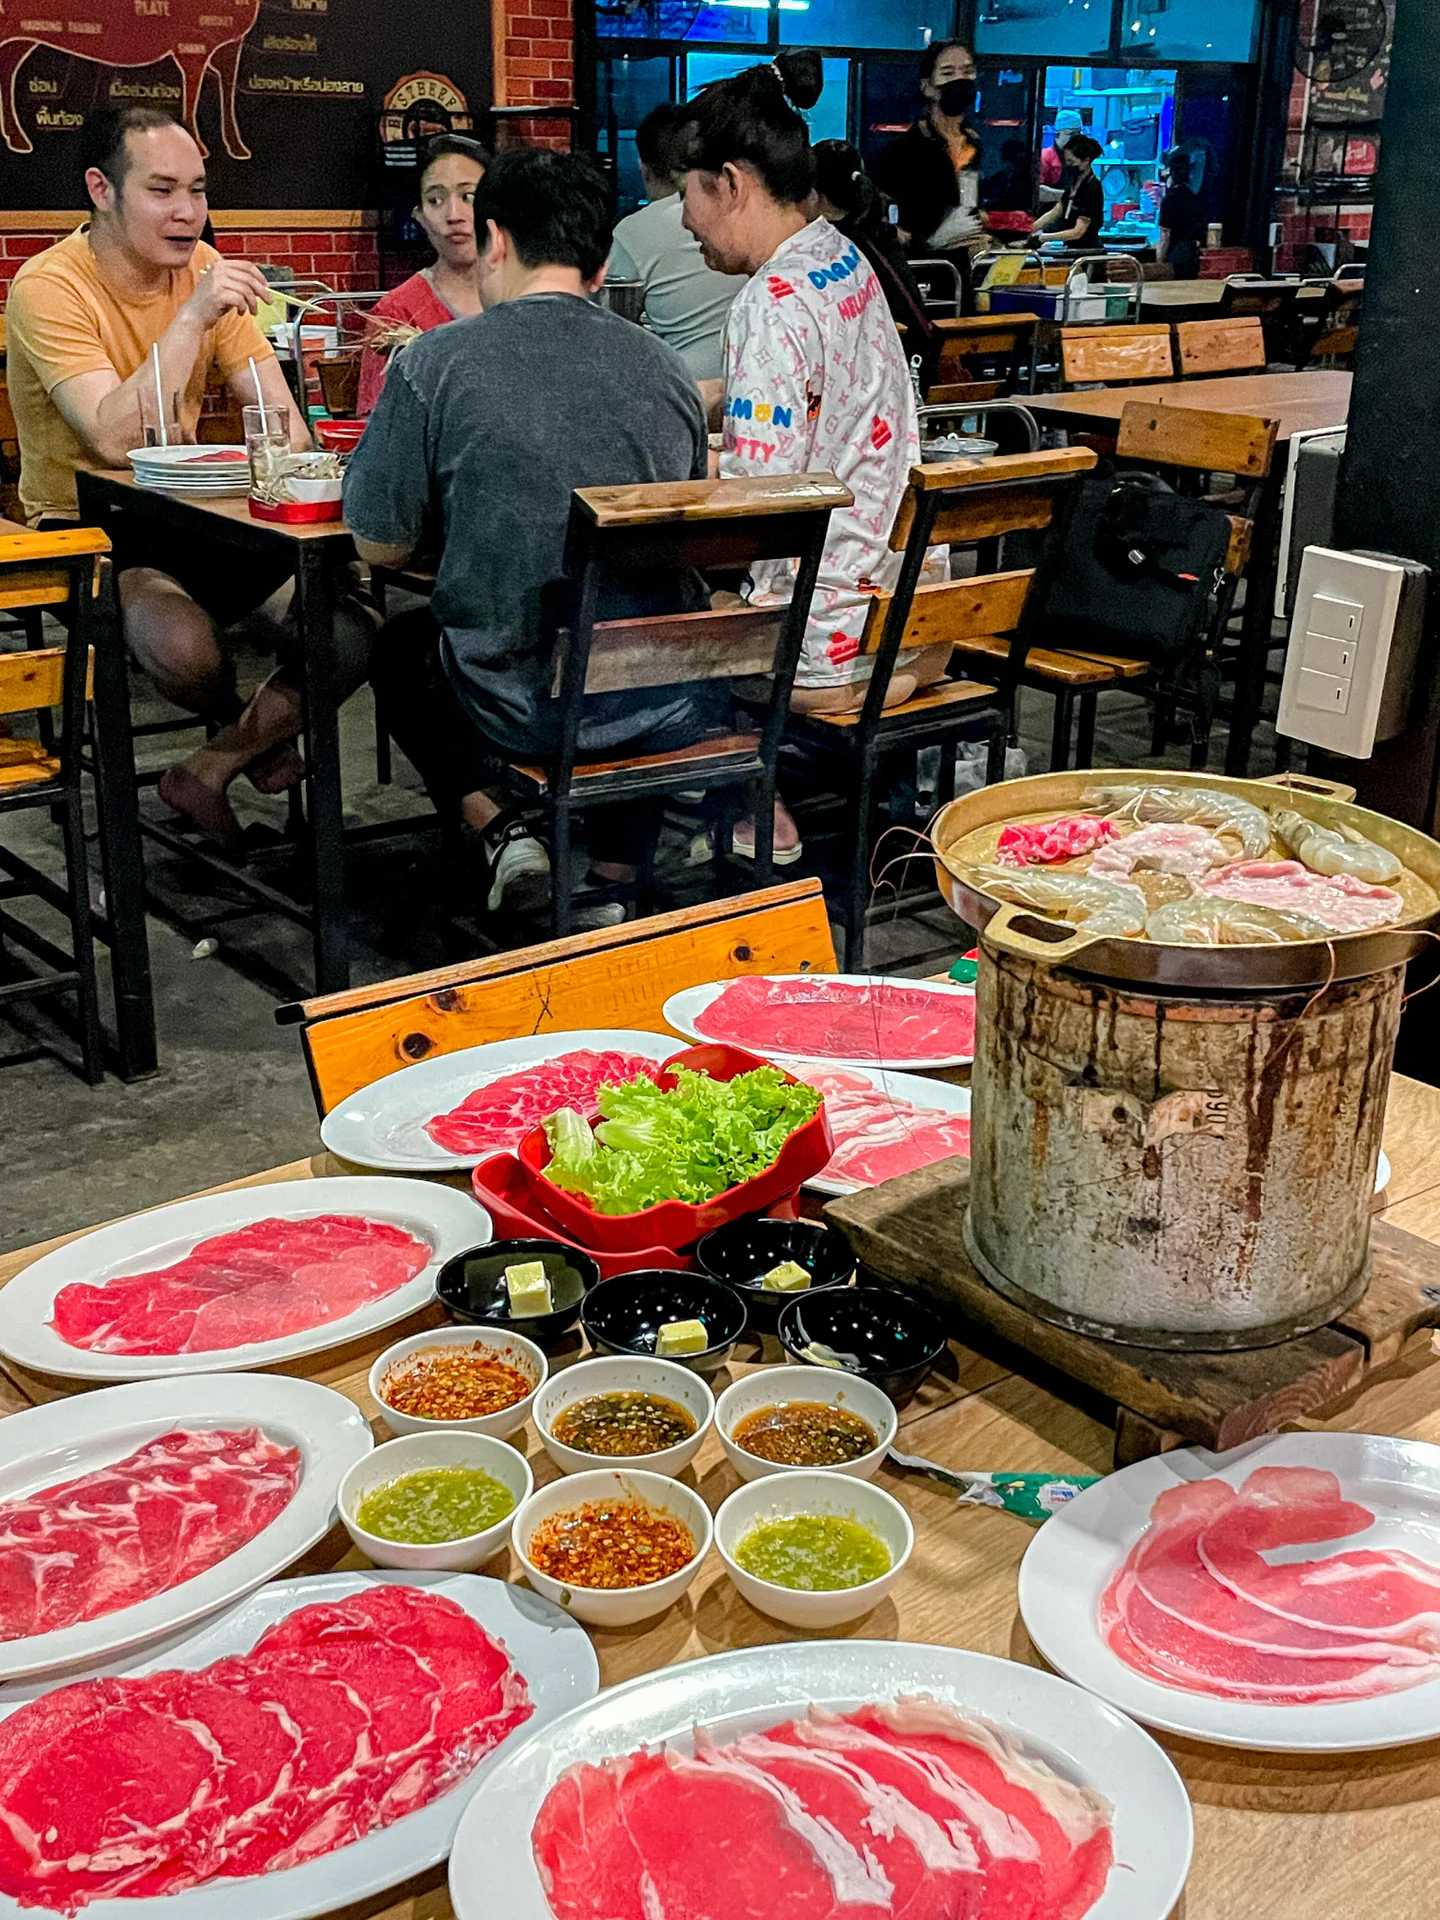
x: 688, y: 1144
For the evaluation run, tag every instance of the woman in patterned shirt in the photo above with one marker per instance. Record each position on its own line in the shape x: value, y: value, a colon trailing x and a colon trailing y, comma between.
x: 816, y: 379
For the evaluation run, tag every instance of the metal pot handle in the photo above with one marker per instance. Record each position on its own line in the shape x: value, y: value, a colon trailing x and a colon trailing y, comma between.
x: 1310, y: 783
x: 1026, y: 935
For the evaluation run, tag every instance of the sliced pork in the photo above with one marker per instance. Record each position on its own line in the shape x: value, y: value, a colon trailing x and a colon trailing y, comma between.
x: 823, y: 1019
x: 878, y: 1135
x: 263, y: 1281
x: 911, y: 1812
x: 341, y: 1720
x: 1336, y: 900
x: 117, y: 1536
x: 1164, y: 846
x: 1194, y: 1604
x: 496, y: 1117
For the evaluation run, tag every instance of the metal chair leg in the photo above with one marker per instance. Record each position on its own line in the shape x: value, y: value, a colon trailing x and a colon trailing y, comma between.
x: 562, y: 868
x: 1085, y: 733
x: 82, y: 940
x: 995, y: 755
x: 857, y: 901
x: 1060, y: 739
x: 384, y: 771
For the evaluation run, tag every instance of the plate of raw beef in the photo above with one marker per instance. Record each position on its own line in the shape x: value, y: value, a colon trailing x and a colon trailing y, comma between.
x: 1284, y: 1596
x: 312, y: 1747
x: 885, y: 1124
x: 841, y: 1019
x: 236, y: 1280
x: 858, y: 1779
x: 449, y: 1114
x: 167, y: 1501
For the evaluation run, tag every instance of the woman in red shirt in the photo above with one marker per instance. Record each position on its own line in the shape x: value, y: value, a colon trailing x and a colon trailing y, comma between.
x: 449, y: 173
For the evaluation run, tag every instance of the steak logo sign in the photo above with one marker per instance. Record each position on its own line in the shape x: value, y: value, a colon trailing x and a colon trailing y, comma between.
x: 200, y: 36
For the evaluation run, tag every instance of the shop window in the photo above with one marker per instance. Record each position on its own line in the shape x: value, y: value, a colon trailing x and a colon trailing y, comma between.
x: 894, y: 24
x: 1053, y: 29
x: 828, y: 118
x: 1190, y: 29
x: 747, y: 20
x: 626, y: 90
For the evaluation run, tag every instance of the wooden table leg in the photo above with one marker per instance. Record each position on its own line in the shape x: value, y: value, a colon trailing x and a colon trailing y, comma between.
x: 315, y: 597
x: 1256, y: 636
x: 122, y: 863
x: 1137, y: 1438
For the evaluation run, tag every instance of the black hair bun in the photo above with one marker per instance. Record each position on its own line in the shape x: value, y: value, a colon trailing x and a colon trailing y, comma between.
x: 801, y: 75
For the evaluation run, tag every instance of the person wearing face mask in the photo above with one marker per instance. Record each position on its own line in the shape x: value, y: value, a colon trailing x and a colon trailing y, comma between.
x: 932, y: 170
x: 451, y: 168
x: 1076, y: 220
x: 1052, y: 158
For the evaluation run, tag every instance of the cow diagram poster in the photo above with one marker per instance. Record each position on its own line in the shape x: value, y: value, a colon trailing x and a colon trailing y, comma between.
x: 285, y: 96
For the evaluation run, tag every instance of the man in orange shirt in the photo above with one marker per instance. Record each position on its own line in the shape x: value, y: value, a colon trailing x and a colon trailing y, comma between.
x: 82, y: 321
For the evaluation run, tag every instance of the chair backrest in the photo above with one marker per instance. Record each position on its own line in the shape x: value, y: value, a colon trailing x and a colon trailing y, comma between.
x: 1334, y: 346
x: 1221, y: 346
x: 617, y: 977
x: 981, y: 341
x: 966, y: 501
x: 39, y: 570
x: 1114, y: 356
x: 1196, y: 441
x: 339, y: 375
x: 621, y: 533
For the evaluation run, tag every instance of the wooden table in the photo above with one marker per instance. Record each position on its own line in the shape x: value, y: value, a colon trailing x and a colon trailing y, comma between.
x: 313, y: 553
x: 1325, y: 1838
x: 1298, y: 403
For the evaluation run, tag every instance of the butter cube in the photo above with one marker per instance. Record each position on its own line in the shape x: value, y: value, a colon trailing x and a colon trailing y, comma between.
x: 681, y: 1336
x: 788, y: 1277
x: 528, y: 1286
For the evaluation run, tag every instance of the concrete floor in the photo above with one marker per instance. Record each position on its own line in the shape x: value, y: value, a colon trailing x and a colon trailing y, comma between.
x: 232, y: 1095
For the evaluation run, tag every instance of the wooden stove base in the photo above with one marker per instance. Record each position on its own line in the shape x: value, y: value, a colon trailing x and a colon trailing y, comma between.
x: 910, y: 1231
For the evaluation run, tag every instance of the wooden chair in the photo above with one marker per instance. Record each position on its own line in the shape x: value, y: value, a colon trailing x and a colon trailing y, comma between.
x: 957, y: 503
x: 1272, y: 302
x: 1334, y: 347
x: 1208, y: 347
x: 1115, y: 356
x: 55, y: 570
x: 983, y: 347
x: 624, y: 534
x: 616, y: 977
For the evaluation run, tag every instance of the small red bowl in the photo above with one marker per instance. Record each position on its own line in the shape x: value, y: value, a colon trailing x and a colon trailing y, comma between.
x: 678, y: 1223
x: 503, y: 1188
x: 340, y: 436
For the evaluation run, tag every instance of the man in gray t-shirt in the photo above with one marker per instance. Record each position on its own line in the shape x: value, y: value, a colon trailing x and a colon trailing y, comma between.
x: 483, y: 430
x: 686, y: 302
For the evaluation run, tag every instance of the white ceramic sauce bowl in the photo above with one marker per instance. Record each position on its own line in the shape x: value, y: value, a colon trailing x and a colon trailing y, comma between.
x: 513, y: 1348
x: 774, y: 1386
x: 614, y: 1606
x: 612, y: 1375
x: 441, y: 1449
x: 779, y: 1495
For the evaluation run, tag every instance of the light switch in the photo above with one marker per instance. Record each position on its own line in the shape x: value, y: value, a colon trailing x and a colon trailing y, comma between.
x: 1325, y: 692
x: 1329, y: 656
x: 1335, y: 619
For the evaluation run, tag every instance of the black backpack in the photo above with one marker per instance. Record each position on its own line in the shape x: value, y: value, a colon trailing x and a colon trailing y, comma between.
x: 1141, y: 571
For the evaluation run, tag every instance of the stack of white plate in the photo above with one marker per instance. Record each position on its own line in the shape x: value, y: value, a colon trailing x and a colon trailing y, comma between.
x: 211, y: 471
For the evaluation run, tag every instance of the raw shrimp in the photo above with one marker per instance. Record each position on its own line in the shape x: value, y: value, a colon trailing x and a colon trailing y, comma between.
x: 1335, y: 849
x: 1100, y: 906
x: 1228, y: 923
x: 1205, y: 806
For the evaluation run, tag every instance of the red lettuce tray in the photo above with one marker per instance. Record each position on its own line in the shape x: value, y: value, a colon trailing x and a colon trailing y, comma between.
x: 678, y: 1223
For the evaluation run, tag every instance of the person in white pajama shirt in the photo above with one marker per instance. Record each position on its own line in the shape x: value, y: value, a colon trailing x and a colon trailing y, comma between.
x: 816, y: 379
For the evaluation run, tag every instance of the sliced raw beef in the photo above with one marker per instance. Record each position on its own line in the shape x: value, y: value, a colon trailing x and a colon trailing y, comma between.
x: 913, y: 1812
x: 341, y: 1720
x: 1194, y: 1605
x: 1162, y: 847
x: 820, y: 1019
x: 119, y: 1535
x: 1033, y: 843
x: 1337, y: 900
x: 497, y: 1116
x: 878, y: 1135
x: 266, y: 1280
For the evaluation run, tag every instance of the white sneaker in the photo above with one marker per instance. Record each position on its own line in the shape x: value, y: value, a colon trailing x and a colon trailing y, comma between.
x: 519, y: 871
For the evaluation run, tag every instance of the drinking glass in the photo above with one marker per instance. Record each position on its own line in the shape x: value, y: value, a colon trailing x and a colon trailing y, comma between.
x: 267, y: 442
x: 150, y: 418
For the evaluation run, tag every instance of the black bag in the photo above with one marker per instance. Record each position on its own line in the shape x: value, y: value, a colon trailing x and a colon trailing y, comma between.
x: 1140, y: 572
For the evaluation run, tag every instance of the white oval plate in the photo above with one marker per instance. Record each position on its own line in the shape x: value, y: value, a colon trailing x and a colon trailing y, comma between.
x: 550, y: 1649
x: 1068, y: 1565
x: 492, y: 1871
x: 907, y: 1088
x: 684, y: 1008
x: 383, y: 1125
x: 448, y: 1220
x: 67, y: 1438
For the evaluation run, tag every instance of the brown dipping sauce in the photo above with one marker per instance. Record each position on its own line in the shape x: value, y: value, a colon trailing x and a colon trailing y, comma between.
x: 622, y: 1424
x: 805, y: 1433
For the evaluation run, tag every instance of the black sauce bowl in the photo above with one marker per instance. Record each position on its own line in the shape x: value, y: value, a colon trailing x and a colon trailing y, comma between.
x: 624, y: 1314
x: 471, y: 1286
x: 895, y: 1338
x: 744, y: 1251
